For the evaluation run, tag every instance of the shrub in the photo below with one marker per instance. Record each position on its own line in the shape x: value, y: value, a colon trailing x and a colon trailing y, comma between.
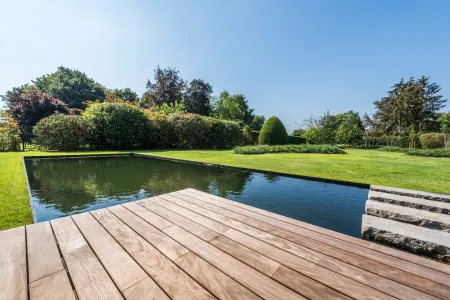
x: 115, y: 126
x: 304, y: 148
x: 273, y: 132
x: 429, y: 152
x: 432, y: 140
x: 392, y: 149
x: 248, y: 136
x: 295, y: 140
x: 61, y: 132
x: 9, y: 134
x: 191, y: 131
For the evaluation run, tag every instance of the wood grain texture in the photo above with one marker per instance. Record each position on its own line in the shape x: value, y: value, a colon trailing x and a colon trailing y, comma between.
x: 252, y: 258
x: 378, y: 282
x: 220, y: 285
x: 255, y: 281
x: 206, y: 222
x: 182, y: 236
x: 174, y: 281
x: 200, y: 231
x: 43, y: 254
x: 406, y: 257
x: 154, y: 236
x: 329, y: 278
x: 148, y: 216
x: 145, y: 289
x: 124, y: 271
x: 88, y: 275
x: 13, y: 267
x: 53, y: 287
x: 365, y: 257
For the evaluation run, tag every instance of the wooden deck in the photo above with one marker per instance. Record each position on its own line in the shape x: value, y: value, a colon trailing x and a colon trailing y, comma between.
x: 193, y: 245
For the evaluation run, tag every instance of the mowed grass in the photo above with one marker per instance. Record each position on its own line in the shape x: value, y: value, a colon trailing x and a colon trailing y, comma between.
x: 362, y: 166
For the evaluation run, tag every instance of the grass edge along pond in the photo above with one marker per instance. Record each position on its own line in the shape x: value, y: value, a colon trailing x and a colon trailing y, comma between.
x: 361, y: 166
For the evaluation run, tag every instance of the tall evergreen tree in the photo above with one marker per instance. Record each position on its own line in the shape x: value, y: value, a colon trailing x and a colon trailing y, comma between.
x: 197, y: 97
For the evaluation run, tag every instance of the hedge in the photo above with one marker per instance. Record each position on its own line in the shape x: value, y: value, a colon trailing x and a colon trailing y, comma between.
x: 61, y: 132
x: 432, y: 140
x: 9, y: 134
x: 273, y: 132
x: 122, y: 126
x: 295, y: 140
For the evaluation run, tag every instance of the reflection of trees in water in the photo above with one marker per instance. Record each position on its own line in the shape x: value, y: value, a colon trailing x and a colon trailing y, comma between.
x: 75, y: 184
x: 271, y: 178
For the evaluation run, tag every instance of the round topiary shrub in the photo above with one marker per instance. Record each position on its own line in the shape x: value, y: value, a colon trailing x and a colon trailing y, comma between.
x: 273, y: 132
x: 115, y: 126
x: 432, y: 140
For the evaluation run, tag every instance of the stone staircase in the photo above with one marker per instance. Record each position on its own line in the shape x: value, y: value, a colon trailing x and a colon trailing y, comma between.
x: 412, y: 220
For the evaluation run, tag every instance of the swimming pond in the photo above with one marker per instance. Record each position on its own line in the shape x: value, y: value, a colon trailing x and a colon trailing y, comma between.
x: 65, y: 186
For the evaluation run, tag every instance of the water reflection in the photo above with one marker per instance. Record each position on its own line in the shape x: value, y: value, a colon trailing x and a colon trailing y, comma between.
x: 66, y: 186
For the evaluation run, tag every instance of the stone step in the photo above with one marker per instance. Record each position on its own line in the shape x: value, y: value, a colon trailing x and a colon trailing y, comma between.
x: 411, y: 193
x: 409, y: 215
x: 418, y: 203
x: 417, y: 239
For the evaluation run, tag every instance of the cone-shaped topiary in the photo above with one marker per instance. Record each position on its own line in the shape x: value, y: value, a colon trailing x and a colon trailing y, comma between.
x: 273, y: 133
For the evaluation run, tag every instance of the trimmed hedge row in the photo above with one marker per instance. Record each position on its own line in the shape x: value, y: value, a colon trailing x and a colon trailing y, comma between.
x: 122, y: 126
x: 295, y: 140
x: 432, y: 140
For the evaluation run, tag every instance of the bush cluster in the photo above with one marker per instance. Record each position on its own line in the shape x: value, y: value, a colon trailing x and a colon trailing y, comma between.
x: 61, y: 132
x: 9, y: 134
x: 273, y: 132
x: 304, y: 148
x: 123, y: 126
x: 429, y: 152
x: 432, y: 140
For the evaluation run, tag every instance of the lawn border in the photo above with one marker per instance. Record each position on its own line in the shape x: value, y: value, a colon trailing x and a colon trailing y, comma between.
x: 30, y: 197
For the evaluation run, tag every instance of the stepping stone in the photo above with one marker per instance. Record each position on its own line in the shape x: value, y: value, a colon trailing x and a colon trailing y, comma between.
x: 418, y: 203
x: 409, y: 215
x: 411, y: 193
x: 417, y: 239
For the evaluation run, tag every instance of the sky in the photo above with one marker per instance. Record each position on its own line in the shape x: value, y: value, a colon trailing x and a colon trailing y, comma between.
x: 291, y: 59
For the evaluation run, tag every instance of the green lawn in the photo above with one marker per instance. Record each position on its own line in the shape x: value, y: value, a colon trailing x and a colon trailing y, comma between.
x: 364, y: 166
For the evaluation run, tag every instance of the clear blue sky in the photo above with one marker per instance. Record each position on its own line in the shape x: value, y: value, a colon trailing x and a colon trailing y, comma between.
x: 290, y: 58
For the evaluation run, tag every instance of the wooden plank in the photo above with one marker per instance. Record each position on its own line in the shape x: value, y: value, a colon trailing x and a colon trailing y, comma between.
x: 150, y: 217
x: 400, y: 276
x: 43, y: 254
x: 13, y: 266
x: 53, y: 287
x: 88, y: 275
x: 206, y: 222
x: 255, y: 281
x: 121, y: 267
x: 255, y: 260
x: 200, y: 231
x: 365, y: 258
x: 174, y: 281
x: 159, y: 240
x: 304, y: 285
x: 406, y: 257
x: 388, y: 286
x: 145, y: 289
x: 329, y: 278
x: 221, y: 285
x: 179, y: 234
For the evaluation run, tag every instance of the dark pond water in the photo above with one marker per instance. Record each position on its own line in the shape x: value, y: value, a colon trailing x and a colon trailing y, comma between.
x: 63, y: 187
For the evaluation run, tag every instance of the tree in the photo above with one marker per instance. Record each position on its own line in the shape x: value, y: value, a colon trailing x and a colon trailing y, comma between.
x: 232, y: 107
x: 126, y: 94
x: 197, y: 97
x: 70, y: 86
x: 298, y: 132
x: 444, y: 122
x: 258, y: 122
x: 415, y: 103
x: 168, y: 87
x: 350, y: 130
x: 30, y: 107
x: 11, y: 96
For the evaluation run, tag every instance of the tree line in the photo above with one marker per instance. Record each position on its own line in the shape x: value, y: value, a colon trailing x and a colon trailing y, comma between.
x: 409, y: 109
x: 69, y: 91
